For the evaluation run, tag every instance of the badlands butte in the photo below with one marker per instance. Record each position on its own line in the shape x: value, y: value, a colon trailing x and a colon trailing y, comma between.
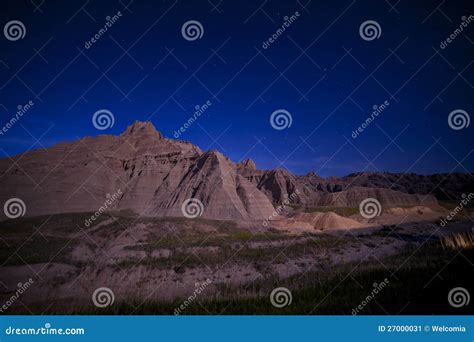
x: 255, y: 230
x: 155, y: 175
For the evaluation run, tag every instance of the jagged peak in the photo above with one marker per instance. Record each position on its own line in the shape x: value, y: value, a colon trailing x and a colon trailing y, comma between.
x: 247, y: 164
x: 215, y: 154
x: 141, y: 127
x: 311, y: 174
x: 281, y: 171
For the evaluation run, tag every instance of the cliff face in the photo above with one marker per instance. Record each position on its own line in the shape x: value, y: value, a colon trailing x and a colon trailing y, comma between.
x: 155, y: 176
x: 314, y: 191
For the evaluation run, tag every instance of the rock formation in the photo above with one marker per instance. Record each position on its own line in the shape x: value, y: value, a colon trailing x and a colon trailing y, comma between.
x: 156, y: 175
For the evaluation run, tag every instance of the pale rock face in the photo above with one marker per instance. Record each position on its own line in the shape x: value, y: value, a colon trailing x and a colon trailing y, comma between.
x: 224, y: 194
x: 387, y: 198
x: 247, y: 164
x: 330, y: 220
x: 315, y: 221
x: 155, y: 176
x: 277, y: 184
x: 314, y: 191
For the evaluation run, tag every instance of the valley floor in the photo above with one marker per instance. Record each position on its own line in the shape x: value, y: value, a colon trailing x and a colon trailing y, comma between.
x: 181, y: 266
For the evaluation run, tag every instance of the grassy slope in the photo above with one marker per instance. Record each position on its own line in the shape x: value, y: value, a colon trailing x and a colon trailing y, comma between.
x: 420, y: 286
x: 415, y: 287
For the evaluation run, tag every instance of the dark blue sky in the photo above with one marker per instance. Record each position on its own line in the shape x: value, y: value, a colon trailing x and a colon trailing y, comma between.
x: 320, y: 70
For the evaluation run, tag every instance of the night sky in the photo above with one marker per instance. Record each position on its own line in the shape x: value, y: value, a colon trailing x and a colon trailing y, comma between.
x: 319, y: 70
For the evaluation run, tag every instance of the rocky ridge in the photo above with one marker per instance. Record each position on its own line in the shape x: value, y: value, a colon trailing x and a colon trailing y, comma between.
x: 156, y: 175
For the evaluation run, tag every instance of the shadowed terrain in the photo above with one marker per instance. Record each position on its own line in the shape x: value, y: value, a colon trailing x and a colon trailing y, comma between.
x: 154, y: 220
